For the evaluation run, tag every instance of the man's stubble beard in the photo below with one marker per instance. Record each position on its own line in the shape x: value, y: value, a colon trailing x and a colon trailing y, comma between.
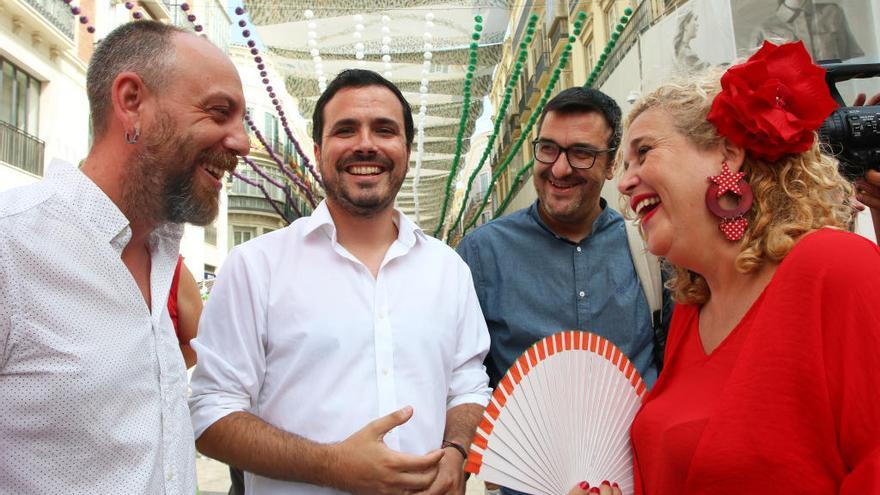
x: 161, y: 183
x: 370, y: 206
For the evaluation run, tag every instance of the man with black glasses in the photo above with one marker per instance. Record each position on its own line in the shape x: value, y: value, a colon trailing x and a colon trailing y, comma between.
x: 564, y: 263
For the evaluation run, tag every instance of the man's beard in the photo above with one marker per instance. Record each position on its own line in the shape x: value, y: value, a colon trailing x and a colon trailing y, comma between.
x: 363, y: 205
x: 161, y: 182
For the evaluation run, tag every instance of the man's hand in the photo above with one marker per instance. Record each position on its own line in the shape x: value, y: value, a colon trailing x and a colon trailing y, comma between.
x: 366, y: 465
x: 450, y: 476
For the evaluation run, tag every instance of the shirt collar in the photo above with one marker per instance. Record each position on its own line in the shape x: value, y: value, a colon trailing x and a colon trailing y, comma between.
x: 604, y: 219
x: 97, y: 209
x: 407, y: 230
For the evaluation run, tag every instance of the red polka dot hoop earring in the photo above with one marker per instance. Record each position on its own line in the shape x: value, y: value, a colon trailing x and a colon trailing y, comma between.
x: 733, y: 224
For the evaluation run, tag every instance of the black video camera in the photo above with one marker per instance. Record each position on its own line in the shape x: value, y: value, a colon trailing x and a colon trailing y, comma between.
x: 852, y: 134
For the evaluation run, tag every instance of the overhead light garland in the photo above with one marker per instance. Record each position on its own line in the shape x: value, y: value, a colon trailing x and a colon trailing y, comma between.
x: 265, y: 193
x: 618, y: 29
x: 557, y: 72
x: 386, y: 46
x: 275, y: 183
x: 258, y: 59
x: 185, y: 7
x: 469, y: 76
x: 290, y: 175
x: 264, y: 74
x: 502, y: 112
x: 83, y: 19
x: 423, y: 112
x: 358, y: 35
x: 312, y: 37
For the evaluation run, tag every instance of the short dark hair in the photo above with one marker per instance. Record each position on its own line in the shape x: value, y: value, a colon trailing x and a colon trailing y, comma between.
x: 586, y: 100
x: 143, y: 47
x: 358, y: 78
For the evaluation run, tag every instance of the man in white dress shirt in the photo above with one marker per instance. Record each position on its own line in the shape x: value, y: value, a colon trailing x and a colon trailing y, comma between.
x: 344, y: 353
x: 92, y: 382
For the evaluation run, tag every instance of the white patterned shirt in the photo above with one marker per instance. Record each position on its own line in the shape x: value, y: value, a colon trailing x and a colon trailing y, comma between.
x: 92, y: 383
x: 298, y: 332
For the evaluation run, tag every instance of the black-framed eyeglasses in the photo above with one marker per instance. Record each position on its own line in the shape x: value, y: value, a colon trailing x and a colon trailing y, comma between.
x: 580, y: 157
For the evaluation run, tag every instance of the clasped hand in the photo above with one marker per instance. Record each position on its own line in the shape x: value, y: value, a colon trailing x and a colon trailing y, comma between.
x: 367, y: 466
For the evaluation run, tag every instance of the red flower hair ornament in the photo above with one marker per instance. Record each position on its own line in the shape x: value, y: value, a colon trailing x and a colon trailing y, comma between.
x: 772, y: 103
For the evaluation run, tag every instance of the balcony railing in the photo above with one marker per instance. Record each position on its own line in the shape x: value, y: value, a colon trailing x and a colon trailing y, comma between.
x: 251, y: 203
x: 57, y: 13
x: 540, y: 69
x: 20, y: 149
x: 559, y: 32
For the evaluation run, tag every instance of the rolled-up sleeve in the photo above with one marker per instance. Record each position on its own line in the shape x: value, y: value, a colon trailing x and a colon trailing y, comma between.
x: 230, y: 343
x: 469, y: 383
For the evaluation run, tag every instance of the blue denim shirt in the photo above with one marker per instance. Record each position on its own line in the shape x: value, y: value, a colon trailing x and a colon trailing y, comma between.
x: 532, y: 283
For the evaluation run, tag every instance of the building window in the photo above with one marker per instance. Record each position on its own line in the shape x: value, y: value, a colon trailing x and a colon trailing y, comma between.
x: 210, y: 272
x: 272, y: 133
x: 612, y: 18
x: 211, y: 234
x: 242, y: 234
x: 19, y: 98
x: 590, y: 52
x: 240, y: 187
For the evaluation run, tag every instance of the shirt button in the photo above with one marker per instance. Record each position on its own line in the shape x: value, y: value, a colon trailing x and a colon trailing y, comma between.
x: 170, y: 476
x: 582, y: 293
x: 385, y: 371
x: 579, y: 249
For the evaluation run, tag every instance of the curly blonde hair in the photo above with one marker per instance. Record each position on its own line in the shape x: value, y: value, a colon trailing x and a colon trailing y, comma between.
x: 793, y: 196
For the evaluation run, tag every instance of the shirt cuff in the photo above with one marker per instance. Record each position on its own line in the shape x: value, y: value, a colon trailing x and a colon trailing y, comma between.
x: 205, y: 411
x: 473, y: 398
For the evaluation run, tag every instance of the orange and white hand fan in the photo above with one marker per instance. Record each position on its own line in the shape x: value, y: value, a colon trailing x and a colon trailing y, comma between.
x: 559, y: 416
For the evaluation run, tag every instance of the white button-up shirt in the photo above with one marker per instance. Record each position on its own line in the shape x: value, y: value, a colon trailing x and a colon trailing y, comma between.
x: 92, y: 383
x: 298, y: 332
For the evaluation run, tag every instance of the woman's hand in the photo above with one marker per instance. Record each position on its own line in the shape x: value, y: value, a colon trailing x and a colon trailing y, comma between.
x: 604, y: 488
